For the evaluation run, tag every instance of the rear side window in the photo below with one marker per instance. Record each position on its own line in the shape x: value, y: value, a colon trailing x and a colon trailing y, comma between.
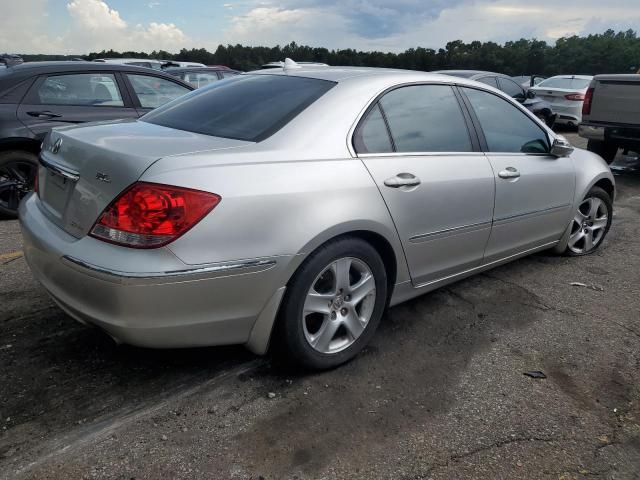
x: 199, y: 80
x: 511, y: 88
x: 491, y: 81
x: 372, y: 135
x: 248, y: 107
x: 505, y: 127
x: 83, y: 89
x: 426, y: 118
x: 155, y: 91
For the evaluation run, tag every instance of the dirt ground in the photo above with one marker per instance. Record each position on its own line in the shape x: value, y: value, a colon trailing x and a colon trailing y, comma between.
x: 439, y: 394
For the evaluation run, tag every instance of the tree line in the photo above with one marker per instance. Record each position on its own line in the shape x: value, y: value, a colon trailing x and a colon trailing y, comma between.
x: 609, y: 52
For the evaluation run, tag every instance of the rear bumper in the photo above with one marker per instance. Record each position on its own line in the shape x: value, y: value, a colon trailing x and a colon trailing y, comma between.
x: 622, y: 135
x: 166, y: 304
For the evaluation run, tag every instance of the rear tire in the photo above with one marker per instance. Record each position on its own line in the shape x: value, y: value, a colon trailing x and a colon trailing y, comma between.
x: 606, y: 150
x: 333, y: 304
x: 18, y: 169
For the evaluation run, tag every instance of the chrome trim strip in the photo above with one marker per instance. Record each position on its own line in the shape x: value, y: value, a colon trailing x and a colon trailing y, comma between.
x: 215, y: 270
x: 471, y: 227
x: 421, y: 154
x: 486, y: 266
x: 532, y: 213
x: 57, y: 169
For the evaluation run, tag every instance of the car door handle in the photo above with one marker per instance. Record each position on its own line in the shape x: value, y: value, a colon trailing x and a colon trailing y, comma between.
x: 44, y: 114
x: 402, y: 180
x: 509, y: 172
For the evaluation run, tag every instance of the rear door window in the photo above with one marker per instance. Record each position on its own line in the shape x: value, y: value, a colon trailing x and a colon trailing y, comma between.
x: 426, y: 118
x: 248, y: 107
x: 153, y: 92
x: 511, y: 88
x: 199, y: 79
x: 491, y: 81
x: 506, y: 128
x: 81, y: 89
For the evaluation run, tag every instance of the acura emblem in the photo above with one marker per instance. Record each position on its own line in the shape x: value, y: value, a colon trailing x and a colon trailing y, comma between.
x: 55, y: 148
x: 103, y: 177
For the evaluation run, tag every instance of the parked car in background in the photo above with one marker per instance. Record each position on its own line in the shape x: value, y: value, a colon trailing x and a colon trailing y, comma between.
x: 565, y: 94
x: 611, y: 115
x: 136, y: 62
x: 201, y: 76
x: 280, y: 64
x: 537, y: 106
x: 177, y: 64
x: 8, y: 60
x: 293, y: 206
x: 528, y: 80
x: 38, y: 96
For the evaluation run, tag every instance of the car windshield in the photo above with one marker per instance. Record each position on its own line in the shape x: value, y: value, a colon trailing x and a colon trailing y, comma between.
x: 566, y: 82
x: 246, y: 107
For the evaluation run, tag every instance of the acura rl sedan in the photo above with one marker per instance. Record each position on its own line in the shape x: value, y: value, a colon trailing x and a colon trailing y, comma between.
x: 291, y: 206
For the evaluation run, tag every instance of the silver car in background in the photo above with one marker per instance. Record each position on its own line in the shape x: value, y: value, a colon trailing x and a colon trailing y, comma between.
x: 566, y: 95
x: 291, y: 206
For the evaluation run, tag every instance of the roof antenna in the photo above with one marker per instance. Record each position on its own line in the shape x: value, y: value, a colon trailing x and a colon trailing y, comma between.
x: 290, y: 64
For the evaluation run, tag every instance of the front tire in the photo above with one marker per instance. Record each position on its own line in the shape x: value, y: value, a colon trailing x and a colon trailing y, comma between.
x: 333, y: 304
x: 18, y: 169
x: 590, y: 223
x: 606, y: 150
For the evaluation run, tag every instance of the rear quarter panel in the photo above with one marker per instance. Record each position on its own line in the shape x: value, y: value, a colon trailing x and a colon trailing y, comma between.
x: 281, y: 209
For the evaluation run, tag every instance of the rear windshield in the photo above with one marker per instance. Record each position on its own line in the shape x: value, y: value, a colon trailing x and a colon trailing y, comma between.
x: 568, y: 83
x: 246, y: 107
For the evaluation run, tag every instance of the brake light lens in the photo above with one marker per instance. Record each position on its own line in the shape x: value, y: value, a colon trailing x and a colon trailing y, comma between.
x: 578, y: 97
x: 588, y: 100
x: 150, y: 215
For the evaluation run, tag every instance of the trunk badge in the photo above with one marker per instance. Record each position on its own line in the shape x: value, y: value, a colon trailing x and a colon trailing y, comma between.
x: 55, y: 148
x: 103, y: 177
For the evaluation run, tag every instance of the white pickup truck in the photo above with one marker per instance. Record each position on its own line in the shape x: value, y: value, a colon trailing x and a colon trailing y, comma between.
x: 611, y: 115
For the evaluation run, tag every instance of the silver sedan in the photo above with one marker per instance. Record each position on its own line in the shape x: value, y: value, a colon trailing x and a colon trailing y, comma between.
x: 291, y: 206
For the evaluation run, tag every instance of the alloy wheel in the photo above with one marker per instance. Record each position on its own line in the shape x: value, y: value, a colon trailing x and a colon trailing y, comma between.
x: 339, y: 305
x: 588, y: 226
x: 16, y: 181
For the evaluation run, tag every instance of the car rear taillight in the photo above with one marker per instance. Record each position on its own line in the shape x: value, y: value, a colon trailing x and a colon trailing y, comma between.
x: 150, y: 215
x: 577, y: 97
x: 588, y: 100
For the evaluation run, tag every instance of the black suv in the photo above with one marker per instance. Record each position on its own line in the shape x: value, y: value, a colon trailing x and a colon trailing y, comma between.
x: 36, y: 97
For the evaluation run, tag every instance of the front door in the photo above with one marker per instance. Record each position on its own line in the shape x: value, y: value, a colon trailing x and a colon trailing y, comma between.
x: 439, y: 189
x: 534, y: 190
x: 72, y: 98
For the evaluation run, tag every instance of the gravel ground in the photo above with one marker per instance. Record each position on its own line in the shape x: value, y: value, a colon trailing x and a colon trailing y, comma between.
x: 440, y: 393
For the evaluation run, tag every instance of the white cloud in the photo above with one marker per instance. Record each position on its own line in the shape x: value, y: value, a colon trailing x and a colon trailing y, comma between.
x: 23, y: 28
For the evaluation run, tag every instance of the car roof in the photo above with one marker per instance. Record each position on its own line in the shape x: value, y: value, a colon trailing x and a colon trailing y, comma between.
x: 11, y: 75
x: 579, y: 77
x: 342, y: 74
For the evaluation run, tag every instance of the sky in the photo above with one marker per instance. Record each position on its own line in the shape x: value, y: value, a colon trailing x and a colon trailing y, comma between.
x: 83, y: 26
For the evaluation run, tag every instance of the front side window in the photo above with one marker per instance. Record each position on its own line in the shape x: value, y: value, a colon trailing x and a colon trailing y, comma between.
x: 82, y: 89
x: 505, y: 127
x: 154, y: 91
x: 426, y: 118
x: 248, y: 107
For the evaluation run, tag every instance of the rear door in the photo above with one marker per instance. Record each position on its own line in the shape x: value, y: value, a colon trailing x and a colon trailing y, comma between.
x: 70, y: 98
x: 534, y: 190
x: 416, y: 143
x: 150, y: 91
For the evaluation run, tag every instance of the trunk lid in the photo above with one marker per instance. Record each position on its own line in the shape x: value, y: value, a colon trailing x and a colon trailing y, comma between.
x: 616, y: 99
x: 86, y: 167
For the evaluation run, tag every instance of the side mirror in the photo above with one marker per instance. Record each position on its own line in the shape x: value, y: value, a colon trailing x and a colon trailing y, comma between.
x: 531, y: 94
x: 561, y: 148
